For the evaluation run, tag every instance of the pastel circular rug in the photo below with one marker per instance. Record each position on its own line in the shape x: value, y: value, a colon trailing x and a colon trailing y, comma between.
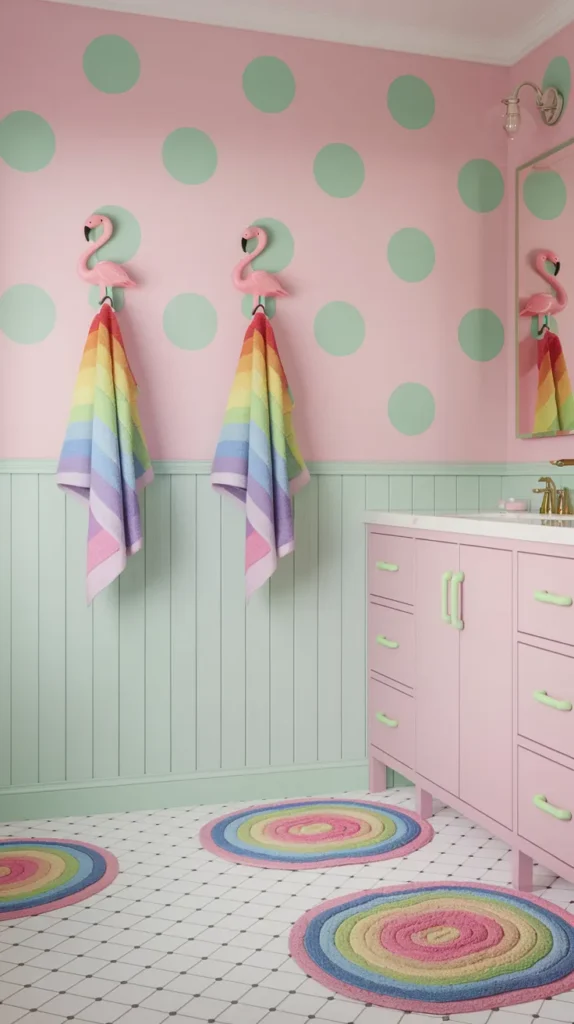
x: 438, y: 948
x: 315, y: 833
x: 38, y: 875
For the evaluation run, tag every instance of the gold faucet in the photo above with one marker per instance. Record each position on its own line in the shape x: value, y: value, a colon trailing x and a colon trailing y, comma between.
x: 548, y: 493
x: 562, y: 462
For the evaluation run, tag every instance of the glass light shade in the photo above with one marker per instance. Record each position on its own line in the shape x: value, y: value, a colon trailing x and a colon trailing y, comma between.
x: 512, y: 117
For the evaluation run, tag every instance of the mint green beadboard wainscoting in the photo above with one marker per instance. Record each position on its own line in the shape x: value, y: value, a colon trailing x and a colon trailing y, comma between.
x: 169, y: 690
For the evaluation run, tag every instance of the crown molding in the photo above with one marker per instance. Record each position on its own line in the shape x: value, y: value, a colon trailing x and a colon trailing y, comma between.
x: 542, y: 28
x: 279, y: 19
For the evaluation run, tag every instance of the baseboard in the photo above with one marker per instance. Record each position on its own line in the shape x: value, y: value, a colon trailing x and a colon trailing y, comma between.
x: 68, y: 800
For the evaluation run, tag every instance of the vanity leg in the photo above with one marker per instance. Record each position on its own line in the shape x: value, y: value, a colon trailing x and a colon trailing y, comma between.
x: 424, y: 802
x: 522, y: 871
x: 377, y: 776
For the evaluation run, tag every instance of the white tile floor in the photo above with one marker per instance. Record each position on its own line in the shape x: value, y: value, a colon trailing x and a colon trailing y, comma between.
x: 183, y: 936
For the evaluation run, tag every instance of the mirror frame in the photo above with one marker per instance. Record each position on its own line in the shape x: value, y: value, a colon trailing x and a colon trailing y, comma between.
x: 524, y: 167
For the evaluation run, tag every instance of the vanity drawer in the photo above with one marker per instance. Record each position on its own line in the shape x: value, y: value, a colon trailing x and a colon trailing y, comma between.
x: 392, y: 722
x: 545, y: 799
x: 391, y: 567
x: 391, y: 643
x: 546, y: 597
x: 546, y: 698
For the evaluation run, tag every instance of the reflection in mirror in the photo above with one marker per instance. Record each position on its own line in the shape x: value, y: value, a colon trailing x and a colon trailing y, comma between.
x: 545, y: 294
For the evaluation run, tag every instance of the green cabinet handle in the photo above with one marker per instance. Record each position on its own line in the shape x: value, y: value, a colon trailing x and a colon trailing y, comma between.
x: 387, y: 567
x: 446, y: 578
x: 391, y: 722
x: 457, y: 579
x: 383, y: 642
x: 559, y: 705
x: 546, y: 598
x: 542, y: 804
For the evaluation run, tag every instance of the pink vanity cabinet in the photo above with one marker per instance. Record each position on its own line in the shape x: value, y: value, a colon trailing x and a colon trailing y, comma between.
x: 471, y: 679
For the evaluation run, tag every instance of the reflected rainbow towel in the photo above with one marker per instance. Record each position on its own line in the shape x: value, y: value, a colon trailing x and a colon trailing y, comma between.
x: 257, y: 460
x: 104, y: 459
x: 554, y: 400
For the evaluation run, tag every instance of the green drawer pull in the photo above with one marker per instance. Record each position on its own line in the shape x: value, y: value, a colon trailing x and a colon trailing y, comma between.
x: 391, y: 722
x: 542, y: 804
x: 559, y: 705
x: 546, y: 598
x: 387, y: 567
x: 446, y: 578
x: 383, y: 642
x: 457, y: 579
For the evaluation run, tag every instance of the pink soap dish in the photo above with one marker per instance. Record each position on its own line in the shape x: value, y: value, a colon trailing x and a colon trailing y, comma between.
x: 516, y: 505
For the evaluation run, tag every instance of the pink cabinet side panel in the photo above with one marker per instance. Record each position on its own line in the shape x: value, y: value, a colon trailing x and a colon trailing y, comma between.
x: 486, y: 682
x: 436, y: 658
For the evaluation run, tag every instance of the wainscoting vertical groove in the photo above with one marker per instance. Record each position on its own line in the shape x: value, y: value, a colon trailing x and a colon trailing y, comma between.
x: 169, y: 688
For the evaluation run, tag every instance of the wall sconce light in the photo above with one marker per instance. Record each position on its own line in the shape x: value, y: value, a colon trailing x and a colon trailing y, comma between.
x: 549, y: 103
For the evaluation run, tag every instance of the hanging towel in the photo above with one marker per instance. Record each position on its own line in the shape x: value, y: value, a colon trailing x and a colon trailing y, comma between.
x: 554, y: 402
x: 104, y: 459
x: 257, y: 460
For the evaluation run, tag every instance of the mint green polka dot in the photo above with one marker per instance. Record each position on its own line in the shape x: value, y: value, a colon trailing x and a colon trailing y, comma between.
x: 125, y: 240
x: 544, y: 193
x: 247, y: 306
x: 339, y: 170
x: 339, y: 328
x: 481, y: 335
x: 536, y: 324
x: 27, y: 313
x: 278, y: 252
x: 118, y: 296
x: 558, y: 74
x: 27, y: 142
x: 411, y: 254
x: 190, y: 321
x: 481, y: 186
x: 411, y: 409
x: 411, y: 102
x: 269, y: 84
x: 111, y: 64
x: 189, y: 156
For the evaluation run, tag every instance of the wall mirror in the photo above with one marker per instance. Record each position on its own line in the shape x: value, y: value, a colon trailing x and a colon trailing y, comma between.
x: 545, y: 294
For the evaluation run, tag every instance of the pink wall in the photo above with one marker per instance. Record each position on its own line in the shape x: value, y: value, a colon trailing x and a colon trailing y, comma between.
x: 534, y: 138
x: 109, y: 151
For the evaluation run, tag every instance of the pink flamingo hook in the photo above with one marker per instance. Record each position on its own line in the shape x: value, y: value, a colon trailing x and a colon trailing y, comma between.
x: 259, y: 283
x: 543, y: 303
x: 105, y: 274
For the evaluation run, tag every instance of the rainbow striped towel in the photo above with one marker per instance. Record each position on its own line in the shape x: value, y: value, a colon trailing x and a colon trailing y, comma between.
x: 257, y: 460
x: 104, y: 459
x: 554, y: 401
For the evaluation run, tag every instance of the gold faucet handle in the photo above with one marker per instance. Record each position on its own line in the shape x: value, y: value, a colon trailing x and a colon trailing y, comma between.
x: 563, y: 508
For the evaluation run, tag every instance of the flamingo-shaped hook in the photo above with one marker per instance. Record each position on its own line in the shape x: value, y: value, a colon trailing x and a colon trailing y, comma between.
x: 105, y: 274
x: 259, y: 283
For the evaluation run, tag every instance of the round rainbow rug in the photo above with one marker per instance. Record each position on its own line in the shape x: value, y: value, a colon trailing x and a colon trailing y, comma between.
x: 38, y: 875
x: 315, y: 834
x: 438, y: 948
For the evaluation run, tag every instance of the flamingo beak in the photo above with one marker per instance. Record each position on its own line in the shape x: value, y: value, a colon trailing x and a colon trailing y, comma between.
x: 556, y: 268
x: 86, y: 232
x: 244, y: 244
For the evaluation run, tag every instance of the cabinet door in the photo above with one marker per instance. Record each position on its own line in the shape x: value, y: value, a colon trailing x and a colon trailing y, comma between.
x: 486, y: 682
x: 436, y: 678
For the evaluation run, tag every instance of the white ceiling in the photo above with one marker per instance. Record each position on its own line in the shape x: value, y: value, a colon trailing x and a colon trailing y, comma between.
x: 489, y: 31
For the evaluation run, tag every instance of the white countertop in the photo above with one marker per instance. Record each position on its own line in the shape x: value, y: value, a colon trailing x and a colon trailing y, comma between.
x: 526, y: 526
